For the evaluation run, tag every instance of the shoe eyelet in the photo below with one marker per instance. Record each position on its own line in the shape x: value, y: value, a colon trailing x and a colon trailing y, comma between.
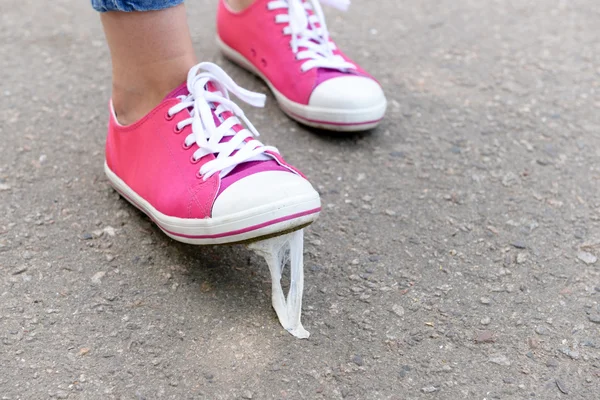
x: 199, y: 175
x: 169, y: 117
x: 176, y: 129
x: 186, y: 147
x: 193, y: 160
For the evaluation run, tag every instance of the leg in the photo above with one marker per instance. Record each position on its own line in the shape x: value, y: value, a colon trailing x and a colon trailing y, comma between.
x: 188, y: 162
x: 151, y: 54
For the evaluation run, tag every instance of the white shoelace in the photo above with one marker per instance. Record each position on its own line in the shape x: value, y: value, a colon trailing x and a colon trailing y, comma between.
x: 313, y: 39
x: 201, y: 104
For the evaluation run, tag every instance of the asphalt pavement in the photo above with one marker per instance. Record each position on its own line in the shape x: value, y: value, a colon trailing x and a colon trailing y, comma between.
x: 455, y: 258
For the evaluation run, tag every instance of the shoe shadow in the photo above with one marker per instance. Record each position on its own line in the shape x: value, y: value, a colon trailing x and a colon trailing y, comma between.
x: 220, y: 277
x: 335, y: 136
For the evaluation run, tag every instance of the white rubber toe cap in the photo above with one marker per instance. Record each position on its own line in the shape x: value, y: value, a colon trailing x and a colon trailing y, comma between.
x: 347, y: 93
x: 266, y: 190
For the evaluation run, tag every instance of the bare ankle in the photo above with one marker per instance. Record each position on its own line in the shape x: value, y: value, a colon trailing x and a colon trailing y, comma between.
x: 239, y: 5
x: 132, y: 104
x: 151, y: 53
x: 137, y: 91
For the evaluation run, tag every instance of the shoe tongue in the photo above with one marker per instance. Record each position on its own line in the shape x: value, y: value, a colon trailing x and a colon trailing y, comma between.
x: 182, y: 90
x: 218, y: 120
x: 243, y: 169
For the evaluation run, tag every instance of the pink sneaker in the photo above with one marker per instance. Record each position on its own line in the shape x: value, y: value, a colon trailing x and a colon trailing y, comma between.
x: 286, y: 43
x: 199, y: 174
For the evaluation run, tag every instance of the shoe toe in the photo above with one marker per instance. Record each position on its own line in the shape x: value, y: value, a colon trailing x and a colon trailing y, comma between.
x: 349, y: 92
x: 262, y: 191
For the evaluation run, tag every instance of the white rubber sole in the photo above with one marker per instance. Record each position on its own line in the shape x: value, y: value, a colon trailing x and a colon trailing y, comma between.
x: 341, y: 120
x: 254, y: 224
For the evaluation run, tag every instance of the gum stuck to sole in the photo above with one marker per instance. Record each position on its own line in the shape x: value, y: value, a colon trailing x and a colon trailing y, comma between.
x: 278, y: 252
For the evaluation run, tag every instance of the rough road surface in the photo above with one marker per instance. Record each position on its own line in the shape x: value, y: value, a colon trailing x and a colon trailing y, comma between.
x: 456, y: 257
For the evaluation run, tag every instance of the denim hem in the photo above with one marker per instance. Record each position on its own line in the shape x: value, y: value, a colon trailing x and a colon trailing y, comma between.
x: 133, y: 5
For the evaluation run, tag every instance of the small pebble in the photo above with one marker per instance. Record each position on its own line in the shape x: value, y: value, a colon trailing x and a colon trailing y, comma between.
x: 358, y: 360
x: 83, y: 351
x: 4, y: 187
x: 561, y: 386
x: 429, y: 389
x: 587, y: 258
x: 398, y: 310
x: 485, y: 337
x: 485, y: 321
x: 62, y: 395
x: 533, y: 343
x: 97, y: 278
x: 595, y: 318
x: 122, y: 214
x: 247, y: 395
x: 519, y: 244
x: 510, y: 179
x: 110, y: 231
x: 540, y: 330
x: 499, y: 359
x: 574, y: 355
x: 485, y: 300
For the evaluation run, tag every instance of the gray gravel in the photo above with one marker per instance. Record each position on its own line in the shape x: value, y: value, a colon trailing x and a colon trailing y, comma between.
x: 456, y: 256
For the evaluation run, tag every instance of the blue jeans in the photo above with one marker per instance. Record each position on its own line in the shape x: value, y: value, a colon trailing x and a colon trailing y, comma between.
x: 133, y: 5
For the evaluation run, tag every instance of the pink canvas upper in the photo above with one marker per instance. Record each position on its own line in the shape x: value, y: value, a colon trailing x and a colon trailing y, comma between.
x: 150, y: 158
x: 254, y: 34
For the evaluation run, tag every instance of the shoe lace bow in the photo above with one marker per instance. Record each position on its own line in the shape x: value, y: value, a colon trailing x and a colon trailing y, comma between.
x: 209, y: 87
x: 310, y: 37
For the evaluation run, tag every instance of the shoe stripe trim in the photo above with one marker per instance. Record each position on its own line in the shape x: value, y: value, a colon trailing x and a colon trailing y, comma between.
x: 225, y: 234
x: 288, y: 111
x: 248, y: 229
